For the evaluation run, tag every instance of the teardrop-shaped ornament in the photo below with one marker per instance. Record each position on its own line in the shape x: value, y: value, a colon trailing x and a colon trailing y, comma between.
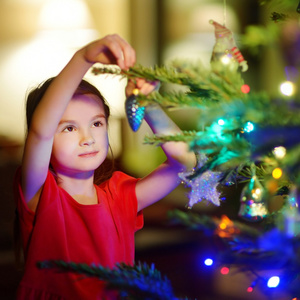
x: 253, y: 207
x: 134, y: 112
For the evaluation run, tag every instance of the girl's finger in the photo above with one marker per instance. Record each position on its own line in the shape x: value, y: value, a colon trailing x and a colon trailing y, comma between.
x: 140, y: 82
x: 113, y: 44
x: 123, y: 52
x: 149, y: 86
x: 128, y: 53
x: 112, y: 49
x: 130, y: 87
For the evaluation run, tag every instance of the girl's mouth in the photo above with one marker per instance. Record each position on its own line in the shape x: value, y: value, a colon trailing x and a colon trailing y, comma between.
x: 89, y: 154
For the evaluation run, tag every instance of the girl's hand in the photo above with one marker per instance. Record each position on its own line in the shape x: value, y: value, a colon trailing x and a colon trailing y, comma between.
x: 111, y: 49
x: 145, y: 87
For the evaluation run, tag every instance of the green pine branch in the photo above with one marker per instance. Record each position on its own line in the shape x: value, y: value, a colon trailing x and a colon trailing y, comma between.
x: 258, y: 36
x: 226, y: 151
x: 220, y: 83
x: 216, y: 94
x: 201, y: 222
x: 139, y: 281
x: 248, y: 248
x: 216, y: 91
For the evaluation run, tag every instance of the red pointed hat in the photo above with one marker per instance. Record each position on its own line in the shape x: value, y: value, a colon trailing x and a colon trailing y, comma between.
x: 220, y: 30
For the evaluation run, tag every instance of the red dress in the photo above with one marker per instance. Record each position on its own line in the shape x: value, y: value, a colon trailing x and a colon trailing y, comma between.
x: 63, y: 229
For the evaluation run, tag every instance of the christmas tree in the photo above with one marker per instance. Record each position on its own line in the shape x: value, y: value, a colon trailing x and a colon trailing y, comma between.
x: 242, y: 137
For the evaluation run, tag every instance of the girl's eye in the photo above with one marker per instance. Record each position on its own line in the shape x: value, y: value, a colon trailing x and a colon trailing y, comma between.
x: 97, y: 124
x: 69, y: 129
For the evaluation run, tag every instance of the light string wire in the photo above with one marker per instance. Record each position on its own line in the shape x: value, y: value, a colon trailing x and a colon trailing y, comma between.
x: 224, y: 13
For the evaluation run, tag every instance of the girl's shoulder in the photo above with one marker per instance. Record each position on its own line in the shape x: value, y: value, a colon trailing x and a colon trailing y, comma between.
x: 119, y: 185
x: 118, y: 178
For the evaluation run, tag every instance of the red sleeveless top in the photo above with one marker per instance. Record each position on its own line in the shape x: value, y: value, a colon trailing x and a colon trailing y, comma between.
x: 63, y: 229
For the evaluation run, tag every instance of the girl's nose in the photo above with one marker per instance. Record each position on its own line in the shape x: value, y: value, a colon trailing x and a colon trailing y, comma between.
x: 87, y: 139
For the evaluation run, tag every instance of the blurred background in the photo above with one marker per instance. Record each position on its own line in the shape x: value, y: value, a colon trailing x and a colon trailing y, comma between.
x: 37, y: 37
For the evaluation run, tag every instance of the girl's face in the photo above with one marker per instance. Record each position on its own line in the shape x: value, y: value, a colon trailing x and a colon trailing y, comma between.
x: 81, y: 142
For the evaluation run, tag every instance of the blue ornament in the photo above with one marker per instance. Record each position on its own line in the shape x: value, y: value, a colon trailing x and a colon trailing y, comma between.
x: 134, y: 112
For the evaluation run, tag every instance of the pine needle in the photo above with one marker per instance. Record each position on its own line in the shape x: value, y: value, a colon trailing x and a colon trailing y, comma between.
x: 139, y: 281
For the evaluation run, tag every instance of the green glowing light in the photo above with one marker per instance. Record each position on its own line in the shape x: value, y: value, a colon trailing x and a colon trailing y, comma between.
x: 221, y: 122
x: 249, y: 127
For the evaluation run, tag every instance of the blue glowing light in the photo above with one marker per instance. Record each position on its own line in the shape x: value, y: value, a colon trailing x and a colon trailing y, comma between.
x: 249, y: 127
x: 273, y: 282
x: 221, y: 122
x: 208, y: 262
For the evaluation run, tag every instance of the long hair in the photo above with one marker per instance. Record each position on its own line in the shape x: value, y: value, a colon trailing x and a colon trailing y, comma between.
x: 103, y: 172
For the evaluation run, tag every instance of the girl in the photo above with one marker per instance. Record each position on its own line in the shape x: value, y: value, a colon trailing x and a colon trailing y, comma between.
x: 63, y: 214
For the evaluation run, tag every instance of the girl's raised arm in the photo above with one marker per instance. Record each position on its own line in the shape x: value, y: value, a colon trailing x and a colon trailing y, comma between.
x: 165, y: 178
x: 38, y: 146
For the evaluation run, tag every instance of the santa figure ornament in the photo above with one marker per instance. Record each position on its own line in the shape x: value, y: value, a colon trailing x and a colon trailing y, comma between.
x: 225, y: 49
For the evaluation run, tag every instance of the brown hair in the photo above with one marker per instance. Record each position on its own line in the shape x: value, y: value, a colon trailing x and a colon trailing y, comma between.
x: 104, y: 171
x: 35, y: 96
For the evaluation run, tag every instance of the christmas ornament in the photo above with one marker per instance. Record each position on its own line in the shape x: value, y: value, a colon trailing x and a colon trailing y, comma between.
x: 134, y: 112
x: 225, y: 48
x: 253, y: 207
x: 204, y: 186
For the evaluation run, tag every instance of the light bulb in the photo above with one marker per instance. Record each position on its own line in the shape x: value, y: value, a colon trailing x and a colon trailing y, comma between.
x: 208, y: 262
x: 287, y: 88
x: 279, y: 152
x: 273, y: 282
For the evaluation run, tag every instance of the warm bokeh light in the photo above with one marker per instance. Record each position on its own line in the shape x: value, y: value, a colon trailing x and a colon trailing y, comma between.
x: 65, y: 15
x: 226, y: 59
x: 256, y: 193
x: 224, y: 271
x: 245, y: 88
x: 279, y: 152
x: 223, y: 226
x: 287, y: 88
x: 277, y: 173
